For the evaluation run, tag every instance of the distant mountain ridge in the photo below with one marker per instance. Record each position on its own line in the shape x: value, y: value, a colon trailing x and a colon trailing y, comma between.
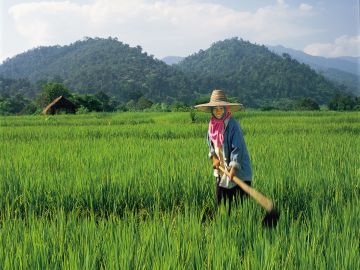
x: 171, y: 60
x: 347, y: 64
x: 353, y: 59
x: 343, y: 70
x: 248, y: 72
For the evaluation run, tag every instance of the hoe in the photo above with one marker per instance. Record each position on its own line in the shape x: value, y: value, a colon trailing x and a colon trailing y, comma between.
x: 272, y: 214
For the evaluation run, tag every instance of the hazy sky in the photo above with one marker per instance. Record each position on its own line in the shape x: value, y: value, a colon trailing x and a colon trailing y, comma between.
x: 328, y: 28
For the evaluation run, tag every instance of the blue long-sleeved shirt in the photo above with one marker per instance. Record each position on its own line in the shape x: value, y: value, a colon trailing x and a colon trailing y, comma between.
x: 234, y: 150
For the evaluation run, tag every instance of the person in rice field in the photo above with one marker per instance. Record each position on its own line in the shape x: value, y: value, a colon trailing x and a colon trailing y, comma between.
x: 227, y: 148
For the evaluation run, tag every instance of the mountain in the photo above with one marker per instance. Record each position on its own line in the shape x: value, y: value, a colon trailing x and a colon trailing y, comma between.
x: 170, y: 60
x: 93, y: 64
x: 253, y: 73
x: 248, y: 72
x: 342, y: 70
x: 347, y: 64
x: 349, y: 80
x: 355, y: 60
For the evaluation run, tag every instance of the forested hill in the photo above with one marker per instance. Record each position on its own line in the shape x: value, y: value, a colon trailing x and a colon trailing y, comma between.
x: 248, y: 72
x: 107, y: 65
x: 254, y: 74
x: 341, y: 70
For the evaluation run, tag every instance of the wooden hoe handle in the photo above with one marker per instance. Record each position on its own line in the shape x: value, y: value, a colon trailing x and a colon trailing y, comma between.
x: 260, y: 198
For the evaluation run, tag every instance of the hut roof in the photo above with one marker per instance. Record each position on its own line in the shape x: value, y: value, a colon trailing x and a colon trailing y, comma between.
x: 61, y: 101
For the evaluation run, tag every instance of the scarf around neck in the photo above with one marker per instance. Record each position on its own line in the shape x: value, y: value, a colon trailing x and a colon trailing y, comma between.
x: 216, y: 128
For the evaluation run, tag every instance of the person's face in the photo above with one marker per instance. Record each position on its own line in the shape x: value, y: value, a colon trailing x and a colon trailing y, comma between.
x: 218, y: 112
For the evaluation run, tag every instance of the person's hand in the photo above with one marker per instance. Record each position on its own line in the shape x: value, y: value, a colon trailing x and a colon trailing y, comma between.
x: 232, y: 172
x: 216, y: 162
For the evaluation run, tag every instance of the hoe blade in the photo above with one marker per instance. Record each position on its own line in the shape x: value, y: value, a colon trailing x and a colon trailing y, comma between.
x: 271, y: 218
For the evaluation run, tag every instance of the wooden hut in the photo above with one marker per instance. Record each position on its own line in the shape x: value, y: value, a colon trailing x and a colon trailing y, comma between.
x: 60, y: 104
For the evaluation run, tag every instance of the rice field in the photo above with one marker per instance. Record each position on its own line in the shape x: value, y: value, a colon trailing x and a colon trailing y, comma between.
x: 136, y: 191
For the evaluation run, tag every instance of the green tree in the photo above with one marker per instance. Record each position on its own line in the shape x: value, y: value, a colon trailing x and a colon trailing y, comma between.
x: 108, y: 104
x: 17, y: 104
x: 88, y: 101
x: 131, y: 105
x: 143, y: 103
x: 307, y: 104
x: 341, y: 102
x: 357, y: 104
x: 50, y: 91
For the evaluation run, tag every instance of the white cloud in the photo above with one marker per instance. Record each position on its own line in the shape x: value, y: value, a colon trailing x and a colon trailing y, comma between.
x: 163, y: 27
x: 305, y: 7
x: 342, y: 46
x: 45, y: 23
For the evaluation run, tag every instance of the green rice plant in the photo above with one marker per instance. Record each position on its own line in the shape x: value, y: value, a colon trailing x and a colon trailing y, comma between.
x: 135, y: 190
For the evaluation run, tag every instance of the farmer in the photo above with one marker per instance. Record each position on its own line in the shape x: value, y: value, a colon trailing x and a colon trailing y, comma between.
x: 226, y: 148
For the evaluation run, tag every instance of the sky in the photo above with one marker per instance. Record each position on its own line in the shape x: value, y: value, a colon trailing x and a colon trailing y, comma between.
x: 328, y: 28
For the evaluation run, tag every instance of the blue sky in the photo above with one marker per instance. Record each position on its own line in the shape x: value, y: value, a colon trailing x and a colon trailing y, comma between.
x: 181, y: 27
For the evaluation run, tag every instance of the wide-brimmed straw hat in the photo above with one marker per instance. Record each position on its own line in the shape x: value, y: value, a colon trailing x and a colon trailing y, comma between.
x: 218, y: 98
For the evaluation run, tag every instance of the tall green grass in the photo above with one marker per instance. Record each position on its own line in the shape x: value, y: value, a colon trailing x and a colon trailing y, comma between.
x: 135, y: 190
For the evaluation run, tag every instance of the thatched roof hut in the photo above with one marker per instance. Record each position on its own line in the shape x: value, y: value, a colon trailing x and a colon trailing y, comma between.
x: 60, y: 104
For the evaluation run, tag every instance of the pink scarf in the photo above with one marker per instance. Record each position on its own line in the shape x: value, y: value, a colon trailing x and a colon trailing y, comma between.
x: 216, y: 128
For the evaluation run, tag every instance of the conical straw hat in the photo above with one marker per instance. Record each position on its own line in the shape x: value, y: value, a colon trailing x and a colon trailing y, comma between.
x: 218, y: 98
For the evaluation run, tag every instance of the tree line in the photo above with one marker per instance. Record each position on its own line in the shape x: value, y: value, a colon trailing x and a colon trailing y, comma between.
x: 18, y: 104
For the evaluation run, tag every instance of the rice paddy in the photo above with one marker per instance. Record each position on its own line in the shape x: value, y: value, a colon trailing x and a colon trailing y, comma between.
x: 136, y: 191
